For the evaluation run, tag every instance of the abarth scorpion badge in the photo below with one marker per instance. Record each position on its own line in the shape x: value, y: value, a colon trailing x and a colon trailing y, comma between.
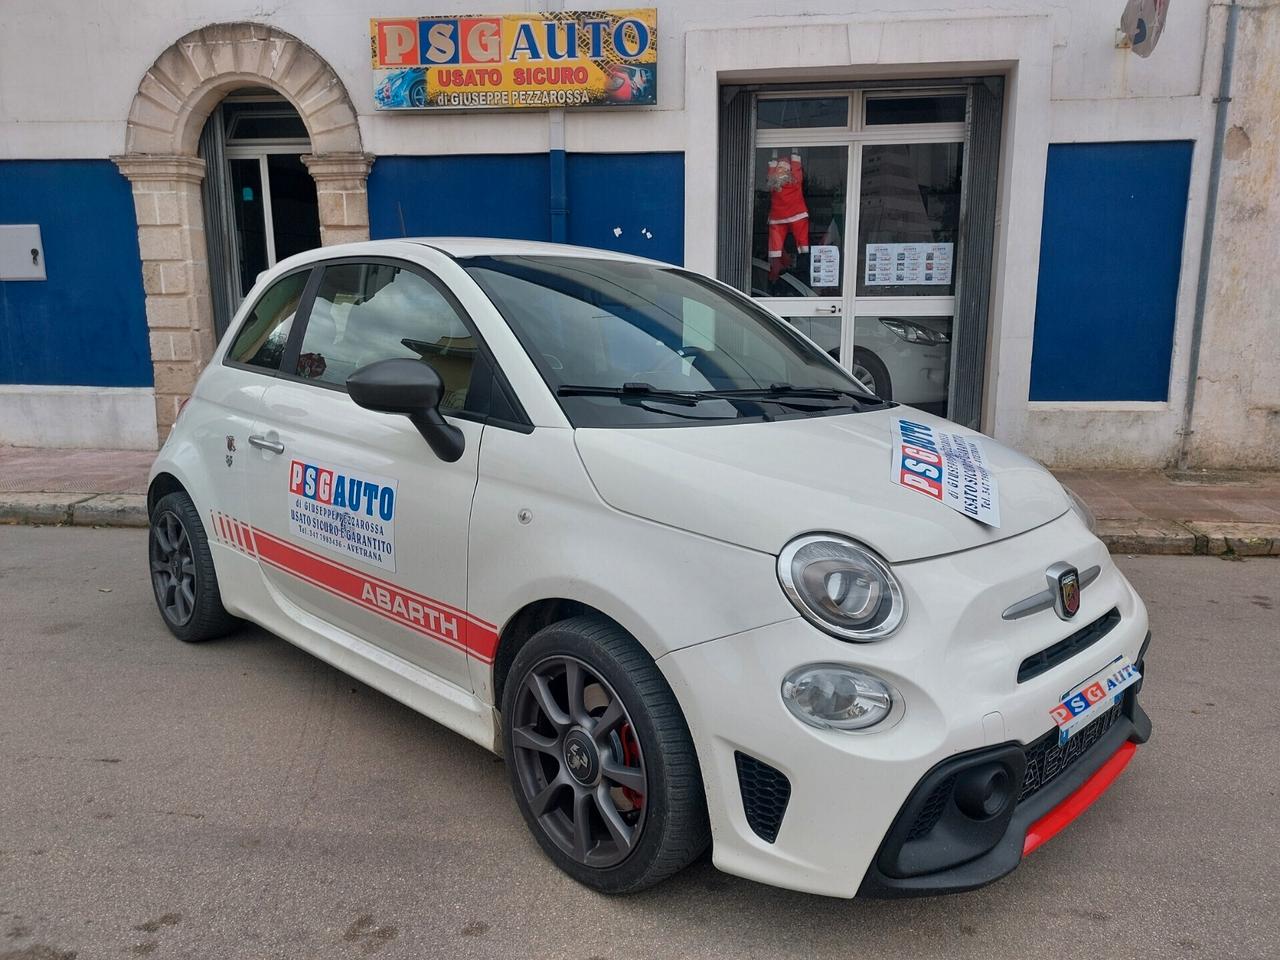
x: 1066, y: 583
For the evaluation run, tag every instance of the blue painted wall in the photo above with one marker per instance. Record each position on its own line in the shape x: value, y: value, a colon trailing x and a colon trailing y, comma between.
x: 86, y: 324
x: 467, y: 196
x: 510, y: 196
x: 634, y: 191
x: 1110, y: 255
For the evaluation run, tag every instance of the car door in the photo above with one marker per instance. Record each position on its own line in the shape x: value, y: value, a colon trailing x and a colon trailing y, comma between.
x: 221, y: 416
x: 355, y: 521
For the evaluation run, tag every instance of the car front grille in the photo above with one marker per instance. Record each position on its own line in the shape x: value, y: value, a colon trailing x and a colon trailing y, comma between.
x: 1046, y: 760
x: 1068, y: 647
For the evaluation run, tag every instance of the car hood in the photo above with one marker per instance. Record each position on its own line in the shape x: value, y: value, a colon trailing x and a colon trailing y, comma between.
x: 760, y: 484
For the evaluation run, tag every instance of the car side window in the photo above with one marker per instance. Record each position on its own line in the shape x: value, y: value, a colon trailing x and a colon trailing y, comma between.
x: 365, y: 312
x: 265, y: 333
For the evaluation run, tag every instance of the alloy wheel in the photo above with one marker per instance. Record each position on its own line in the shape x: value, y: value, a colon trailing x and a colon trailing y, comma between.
x: 578, y: 761
x: 864, y: 377
x: 173, y: 568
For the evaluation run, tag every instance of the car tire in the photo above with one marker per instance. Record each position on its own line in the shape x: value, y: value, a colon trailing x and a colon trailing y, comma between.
x: 183, y: 579
x: 872, y: 368
x: 634, y: 779
x: 418, y: 94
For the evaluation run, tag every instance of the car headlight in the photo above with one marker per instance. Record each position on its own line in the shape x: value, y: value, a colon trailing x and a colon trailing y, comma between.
x: 834, y: 697
x: 1081, y: 509
x: 913, y: 332
x: 841, y: 587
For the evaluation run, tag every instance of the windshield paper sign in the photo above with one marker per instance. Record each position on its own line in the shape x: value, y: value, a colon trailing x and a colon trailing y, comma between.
x: 504, y: 61
x: 949, y: 467
x: 343, y: 510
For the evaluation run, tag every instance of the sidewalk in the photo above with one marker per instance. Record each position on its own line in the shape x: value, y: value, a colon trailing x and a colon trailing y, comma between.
x: 81, y: 487
x: 1146, y: 511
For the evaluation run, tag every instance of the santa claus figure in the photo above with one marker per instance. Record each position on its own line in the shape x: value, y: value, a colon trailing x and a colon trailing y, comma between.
x: 787, y: 211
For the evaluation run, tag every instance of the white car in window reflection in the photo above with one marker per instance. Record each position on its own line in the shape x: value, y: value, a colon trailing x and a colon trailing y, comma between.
x: 897, y: 358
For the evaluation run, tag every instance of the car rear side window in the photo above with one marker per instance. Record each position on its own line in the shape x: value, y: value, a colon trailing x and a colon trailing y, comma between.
x: 265, y: 333
x: 365, y: 312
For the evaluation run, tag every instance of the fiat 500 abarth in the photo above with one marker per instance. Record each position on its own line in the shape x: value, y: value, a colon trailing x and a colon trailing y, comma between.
x: 614, y: 520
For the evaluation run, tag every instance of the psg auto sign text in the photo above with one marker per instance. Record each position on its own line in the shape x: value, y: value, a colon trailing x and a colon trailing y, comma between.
x: 343, y: 510
x: 553, y: 59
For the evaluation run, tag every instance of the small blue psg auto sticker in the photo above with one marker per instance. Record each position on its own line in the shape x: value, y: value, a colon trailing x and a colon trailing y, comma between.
x: 949, y: 467
x: 1083, y: 704
x: 347, y: 511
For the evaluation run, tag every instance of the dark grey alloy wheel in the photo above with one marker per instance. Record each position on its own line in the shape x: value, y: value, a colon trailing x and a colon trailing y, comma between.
x: 182, y: 574
x: 173, y: 568
x: 600, y: 758
x: 578, y: 762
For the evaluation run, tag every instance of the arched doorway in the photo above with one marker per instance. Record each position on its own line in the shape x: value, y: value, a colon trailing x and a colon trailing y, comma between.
x: 260, y: 203
x: 169, y: 113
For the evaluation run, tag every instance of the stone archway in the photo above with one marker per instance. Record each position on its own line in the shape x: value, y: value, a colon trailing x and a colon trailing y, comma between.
x: 174, y: 99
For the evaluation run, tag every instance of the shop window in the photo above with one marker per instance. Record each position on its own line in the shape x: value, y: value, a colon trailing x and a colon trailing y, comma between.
x: 796, y: 113
x: 909, y: 219
x: 886, y: 111
x: 364, y: 312
x: 262, y: 339
x: 799, y: 207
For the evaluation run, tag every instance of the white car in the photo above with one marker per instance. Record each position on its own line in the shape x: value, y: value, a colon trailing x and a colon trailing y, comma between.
x: 612, y: 519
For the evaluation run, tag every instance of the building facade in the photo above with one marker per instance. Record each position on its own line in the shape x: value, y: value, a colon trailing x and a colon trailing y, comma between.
x: 994, y: 211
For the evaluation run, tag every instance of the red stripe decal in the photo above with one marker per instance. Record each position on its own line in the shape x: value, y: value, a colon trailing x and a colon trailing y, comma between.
x: 411, y: 610
x: 438, y: 604
x: 1056, y: 820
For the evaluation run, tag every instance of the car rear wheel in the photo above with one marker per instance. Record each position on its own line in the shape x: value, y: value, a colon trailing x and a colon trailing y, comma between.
x: 182, y: 575
x: 600, y: 758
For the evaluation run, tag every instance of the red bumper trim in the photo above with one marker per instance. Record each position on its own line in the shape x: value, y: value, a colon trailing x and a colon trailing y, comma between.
x: 1057, y: 819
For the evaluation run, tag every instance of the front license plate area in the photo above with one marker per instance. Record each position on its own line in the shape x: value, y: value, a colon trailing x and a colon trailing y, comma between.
x: 1088, y: 700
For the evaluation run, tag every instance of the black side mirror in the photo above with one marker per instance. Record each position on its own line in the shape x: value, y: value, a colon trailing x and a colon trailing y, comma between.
x: 411, y: 388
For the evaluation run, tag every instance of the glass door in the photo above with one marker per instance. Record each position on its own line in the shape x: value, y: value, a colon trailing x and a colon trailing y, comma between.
x: 798, y: 236
x: 899, y: 342
x: 855, y: 221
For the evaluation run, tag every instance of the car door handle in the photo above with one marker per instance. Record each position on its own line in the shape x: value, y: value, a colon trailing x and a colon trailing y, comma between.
x: 262, y: 443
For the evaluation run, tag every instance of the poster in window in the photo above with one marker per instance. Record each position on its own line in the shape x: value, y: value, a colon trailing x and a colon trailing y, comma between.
x: 892, y: 264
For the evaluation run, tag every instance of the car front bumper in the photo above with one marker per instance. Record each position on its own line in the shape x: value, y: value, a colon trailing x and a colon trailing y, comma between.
x: 828, y: 812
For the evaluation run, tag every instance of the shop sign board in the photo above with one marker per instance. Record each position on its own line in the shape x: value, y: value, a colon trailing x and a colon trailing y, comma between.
x: 516, y: 60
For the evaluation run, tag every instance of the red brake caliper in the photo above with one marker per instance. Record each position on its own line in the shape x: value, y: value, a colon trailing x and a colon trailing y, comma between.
x: 630, y: 757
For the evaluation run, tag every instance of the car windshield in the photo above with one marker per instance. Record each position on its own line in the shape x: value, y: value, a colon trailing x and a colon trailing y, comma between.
x: 636, y: 344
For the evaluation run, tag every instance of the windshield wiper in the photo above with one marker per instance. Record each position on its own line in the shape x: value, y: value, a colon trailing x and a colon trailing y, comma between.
x: 779, y: 390
x: 636, y: 390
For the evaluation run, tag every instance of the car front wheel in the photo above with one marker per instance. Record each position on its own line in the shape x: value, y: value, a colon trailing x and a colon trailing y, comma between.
x: 600, y: 758
x: 182, y: 575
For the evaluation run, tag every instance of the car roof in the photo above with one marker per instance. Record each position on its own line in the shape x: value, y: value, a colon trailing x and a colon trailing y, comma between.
x: 498, y: 247
x: 460, y: 247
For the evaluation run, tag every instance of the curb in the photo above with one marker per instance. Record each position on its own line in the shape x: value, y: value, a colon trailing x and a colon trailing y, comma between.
x: 75, y: 509
x: 1190, y: 538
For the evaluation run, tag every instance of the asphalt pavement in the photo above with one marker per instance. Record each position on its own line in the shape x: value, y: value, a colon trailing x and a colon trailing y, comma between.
x: 242, y: 799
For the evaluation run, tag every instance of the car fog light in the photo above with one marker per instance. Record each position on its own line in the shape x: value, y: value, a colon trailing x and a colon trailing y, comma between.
x: 984, y: 792
x: 833, y: 697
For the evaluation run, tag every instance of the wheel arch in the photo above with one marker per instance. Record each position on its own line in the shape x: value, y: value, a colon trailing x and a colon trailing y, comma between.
x: 162, y: 484
x: 526, y: 622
